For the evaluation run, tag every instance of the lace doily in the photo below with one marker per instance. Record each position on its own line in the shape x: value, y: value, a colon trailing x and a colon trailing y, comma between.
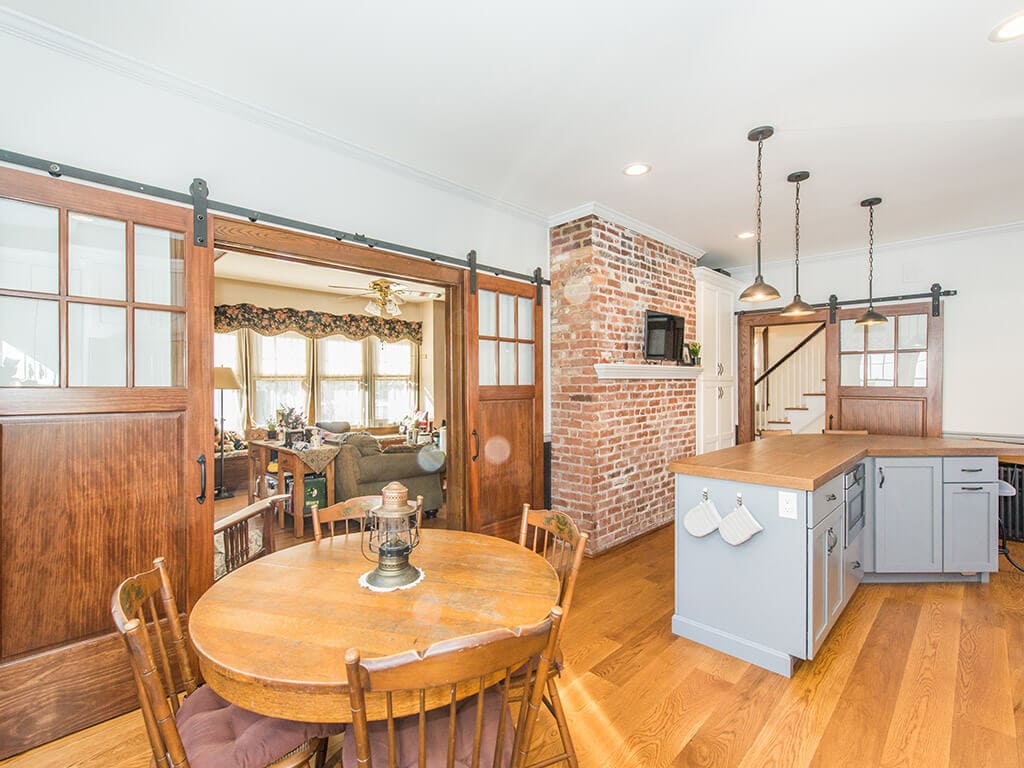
x: 363, y: 582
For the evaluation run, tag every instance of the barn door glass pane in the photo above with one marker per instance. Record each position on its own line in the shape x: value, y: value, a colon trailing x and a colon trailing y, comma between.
x: 913, y: 369
x: 851, y: 336
x: 881, y: 369
x: 29, y: 342
x: 913, y: 333
x: 96, y: 257
x: 487, y: 302
x: 881, y: 337
x: 159, y: 349
x: 96, y: 346
x: 488, y: 362
x: 507, y: 362
x: 526, y: 363
x: 29, y: 236
x: 159, y: 266
x: 525, y: 318
x: 506, y: 316
x: 851, y: 370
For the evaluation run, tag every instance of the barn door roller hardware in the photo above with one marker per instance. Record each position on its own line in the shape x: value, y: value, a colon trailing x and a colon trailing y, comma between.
x: 198, y: 196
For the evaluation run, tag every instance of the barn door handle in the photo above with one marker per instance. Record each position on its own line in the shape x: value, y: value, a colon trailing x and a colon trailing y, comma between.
x: 830, y: 417
x: 476, y: 449
x: 201, y: 460
x: 881, y: 477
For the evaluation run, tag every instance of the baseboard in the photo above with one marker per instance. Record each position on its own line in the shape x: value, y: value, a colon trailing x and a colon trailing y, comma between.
x: 767, y: 658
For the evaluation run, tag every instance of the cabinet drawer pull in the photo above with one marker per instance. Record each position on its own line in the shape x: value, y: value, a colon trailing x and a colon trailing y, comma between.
x: 831, y: 497
x: 971, y: 488
x: 855, y: 565
x: 979, y: 469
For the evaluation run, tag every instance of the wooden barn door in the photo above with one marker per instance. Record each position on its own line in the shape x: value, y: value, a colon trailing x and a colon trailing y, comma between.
x: 885, y: 378
x: 105, y: 406
x: 505, y: 404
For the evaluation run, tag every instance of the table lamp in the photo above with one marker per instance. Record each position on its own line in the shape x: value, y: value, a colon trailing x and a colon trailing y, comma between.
x: 223, y: 378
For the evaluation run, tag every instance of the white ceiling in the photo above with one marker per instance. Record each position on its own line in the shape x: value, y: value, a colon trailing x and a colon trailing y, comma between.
x: 271, y: 271
x: 540, y: 104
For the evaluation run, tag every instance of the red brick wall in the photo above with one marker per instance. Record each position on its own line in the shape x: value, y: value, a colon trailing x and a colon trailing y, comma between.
x: 612, y: 440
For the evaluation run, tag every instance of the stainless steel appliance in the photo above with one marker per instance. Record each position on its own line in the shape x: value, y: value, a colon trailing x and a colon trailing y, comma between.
x: 853, y: 485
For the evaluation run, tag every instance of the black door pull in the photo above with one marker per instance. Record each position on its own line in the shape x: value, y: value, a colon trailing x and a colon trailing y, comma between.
x: 201, y: 460
x: 476, y: 442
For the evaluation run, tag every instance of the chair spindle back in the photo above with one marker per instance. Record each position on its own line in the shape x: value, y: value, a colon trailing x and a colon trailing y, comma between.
x: 555, y: 537
x: 357, y: 508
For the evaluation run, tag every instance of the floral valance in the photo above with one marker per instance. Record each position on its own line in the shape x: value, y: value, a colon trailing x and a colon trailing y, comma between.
x: 273, y: 321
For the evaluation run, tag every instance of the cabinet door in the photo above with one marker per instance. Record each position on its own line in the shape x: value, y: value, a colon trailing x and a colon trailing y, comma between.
x: 970, y: 527
x: 824, y: 578
x: 709, y: 417
x: 725, y: 322
x: 726, y: 413
x: 908, y: 515
x: 707, y: 324
x: 834, y: 577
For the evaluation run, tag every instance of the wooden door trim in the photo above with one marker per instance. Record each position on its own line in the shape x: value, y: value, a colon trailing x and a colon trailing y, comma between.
x: 301, y: 247
x: 745, y: 355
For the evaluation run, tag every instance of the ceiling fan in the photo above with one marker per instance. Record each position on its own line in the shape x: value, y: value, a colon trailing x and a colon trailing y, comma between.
x: 386, y: 296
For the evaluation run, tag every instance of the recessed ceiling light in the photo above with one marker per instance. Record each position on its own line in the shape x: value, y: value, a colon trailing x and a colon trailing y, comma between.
x: 745, y: 235
x: 1008, y: 29
x: 637, y: 169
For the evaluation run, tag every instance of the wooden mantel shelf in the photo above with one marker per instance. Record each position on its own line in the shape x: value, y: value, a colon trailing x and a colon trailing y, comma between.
x: 640, y: 371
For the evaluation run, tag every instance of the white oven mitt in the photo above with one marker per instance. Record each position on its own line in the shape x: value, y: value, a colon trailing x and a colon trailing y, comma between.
x: 702, y: 519
x: 739, y: 525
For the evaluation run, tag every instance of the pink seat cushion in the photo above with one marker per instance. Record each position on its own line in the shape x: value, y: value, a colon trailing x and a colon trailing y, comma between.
x: 217, y: 734
x: 407, y: 736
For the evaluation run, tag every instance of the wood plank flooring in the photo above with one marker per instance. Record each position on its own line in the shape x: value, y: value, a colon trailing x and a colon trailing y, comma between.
x: 913, y: 676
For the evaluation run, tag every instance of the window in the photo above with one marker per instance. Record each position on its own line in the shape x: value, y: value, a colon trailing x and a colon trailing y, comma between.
x: 368, y: 382
x: 225, y: 355
x: 280, y: 364
x: 506, y: 346
x: 893, y: 354
x: 109, y: 315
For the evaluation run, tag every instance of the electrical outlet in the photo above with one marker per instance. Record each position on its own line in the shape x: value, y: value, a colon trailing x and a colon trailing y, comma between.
x: 787, y: 505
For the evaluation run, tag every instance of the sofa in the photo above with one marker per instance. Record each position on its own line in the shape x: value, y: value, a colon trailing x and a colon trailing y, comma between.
x: 362, y: 468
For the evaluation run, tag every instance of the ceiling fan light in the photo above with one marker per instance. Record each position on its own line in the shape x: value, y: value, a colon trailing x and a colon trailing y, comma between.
x: 797, y: 308
x: 871, y: 317
x: 759, y: 291
x: 392, y: 308
x: 372, y: 308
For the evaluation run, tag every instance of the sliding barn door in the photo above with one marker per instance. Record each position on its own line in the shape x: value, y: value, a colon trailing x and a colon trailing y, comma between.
x: 105, y: 347
x: 886, y: 378
x: 505, y: 404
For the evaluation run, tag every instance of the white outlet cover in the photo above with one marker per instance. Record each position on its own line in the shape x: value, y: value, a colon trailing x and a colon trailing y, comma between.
x: 787, y: 505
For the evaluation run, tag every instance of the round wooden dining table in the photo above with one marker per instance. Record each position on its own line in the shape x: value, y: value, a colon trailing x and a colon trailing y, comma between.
x: 271, y: 637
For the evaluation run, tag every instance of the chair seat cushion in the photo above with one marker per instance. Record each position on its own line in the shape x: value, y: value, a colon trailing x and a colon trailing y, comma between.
x: 217, y: 734
x: 407, y: 736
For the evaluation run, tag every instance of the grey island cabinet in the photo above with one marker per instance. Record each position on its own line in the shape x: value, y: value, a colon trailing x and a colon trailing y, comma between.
x: 834, y: 511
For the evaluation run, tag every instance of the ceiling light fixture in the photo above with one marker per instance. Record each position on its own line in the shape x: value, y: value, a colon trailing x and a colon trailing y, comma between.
x: 797, y: 307
x: 1008, y: 29
x: 759, y: 290
x: 637, y: 169
x: 745, y: 235
x: 870, y: 316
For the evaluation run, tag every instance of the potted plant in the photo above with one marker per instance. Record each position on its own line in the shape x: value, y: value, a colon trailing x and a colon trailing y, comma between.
x: 271, y: 430
x: 694, y: 348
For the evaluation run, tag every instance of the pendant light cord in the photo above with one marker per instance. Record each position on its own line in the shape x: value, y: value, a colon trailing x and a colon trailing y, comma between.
x: 871, y: 257
x: 796, y: 249
x: 760, y: 149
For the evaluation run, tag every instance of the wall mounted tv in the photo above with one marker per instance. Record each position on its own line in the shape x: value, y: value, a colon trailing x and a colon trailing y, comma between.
x: 663, y: 336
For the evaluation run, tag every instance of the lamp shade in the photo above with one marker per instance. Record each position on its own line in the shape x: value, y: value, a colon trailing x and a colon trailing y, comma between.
x: 224, y: 378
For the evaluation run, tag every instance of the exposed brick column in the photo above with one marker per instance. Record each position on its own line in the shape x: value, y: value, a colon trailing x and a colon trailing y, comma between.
x: 612, y: 440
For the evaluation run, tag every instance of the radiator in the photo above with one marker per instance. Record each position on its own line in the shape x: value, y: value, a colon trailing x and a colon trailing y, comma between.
x: 1011, y: 508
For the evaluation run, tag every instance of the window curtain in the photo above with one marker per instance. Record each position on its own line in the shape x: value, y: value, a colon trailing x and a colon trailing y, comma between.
x: 246, y: 376
x: 312, y: 379
x: 314, y: 325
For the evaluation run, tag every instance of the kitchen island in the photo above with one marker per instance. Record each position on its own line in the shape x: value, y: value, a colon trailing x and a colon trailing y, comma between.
x: 832, y: 511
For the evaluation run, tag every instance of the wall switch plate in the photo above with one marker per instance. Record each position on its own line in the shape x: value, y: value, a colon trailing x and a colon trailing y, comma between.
x: 787, y: 505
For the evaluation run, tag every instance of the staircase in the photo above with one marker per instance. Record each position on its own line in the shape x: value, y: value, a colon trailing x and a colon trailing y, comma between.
x: 790, y: 395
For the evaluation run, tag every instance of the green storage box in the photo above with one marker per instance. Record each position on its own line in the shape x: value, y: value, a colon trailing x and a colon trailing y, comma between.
x: 316, y: 493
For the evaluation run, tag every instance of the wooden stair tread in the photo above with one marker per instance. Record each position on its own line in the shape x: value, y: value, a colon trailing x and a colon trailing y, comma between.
x: 774, y: 421
x: 814, y: 394
x: 796, y: 408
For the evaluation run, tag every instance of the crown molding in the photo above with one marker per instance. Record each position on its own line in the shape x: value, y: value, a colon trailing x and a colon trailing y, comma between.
x: 54, y: 38
x: 617, y: 217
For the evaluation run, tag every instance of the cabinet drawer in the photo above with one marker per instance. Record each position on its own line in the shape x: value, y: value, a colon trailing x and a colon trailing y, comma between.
x: 977, y: 469
x: 824, y: 500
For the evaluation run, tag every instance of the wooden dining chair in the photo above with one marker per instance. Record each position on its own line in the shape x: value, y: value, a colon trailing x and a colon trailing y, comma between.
x: 197, y: 729
x: 556, y: 537
x: 470, y: 679
x: 355, y: 509
x: 238, y: 544
x: 844, y: 431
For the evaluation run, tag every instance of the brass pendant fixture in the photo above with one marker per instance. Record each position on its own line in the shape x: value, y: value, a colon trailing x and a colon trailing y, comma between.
x: 759, y: 290
x: 797, y: 307
x: 870, y: 316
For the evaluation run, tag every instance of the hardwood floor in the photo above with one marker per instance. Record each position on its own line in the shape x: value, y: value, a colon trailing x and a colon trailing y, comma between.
x: 913, y: 676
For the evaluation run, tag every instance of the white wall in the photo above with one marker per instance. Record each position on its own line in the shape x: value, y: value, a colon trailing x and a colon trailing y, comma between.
x: 983, y: 360
x: 64, y: 108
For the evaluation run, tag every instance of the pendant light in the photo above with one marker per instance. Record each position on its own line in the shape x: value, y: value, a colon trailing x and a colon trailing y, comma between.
x: 797, y: 307
x: 759, y: 290
x: 870, y: 316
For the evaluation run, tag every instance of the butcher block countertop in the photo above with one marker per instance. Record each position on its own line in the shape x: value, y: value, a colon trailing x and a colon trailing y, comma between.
x: 807, y: 462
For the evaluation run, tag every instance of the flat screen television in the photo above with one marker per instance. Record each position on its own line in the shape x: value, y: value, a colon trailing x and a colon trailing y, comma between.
x: 663, y: 336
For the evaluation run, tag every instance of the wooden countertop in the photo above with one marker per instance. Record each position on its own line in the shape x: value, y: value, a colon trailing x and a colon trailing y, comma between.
x: 807, y: 462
